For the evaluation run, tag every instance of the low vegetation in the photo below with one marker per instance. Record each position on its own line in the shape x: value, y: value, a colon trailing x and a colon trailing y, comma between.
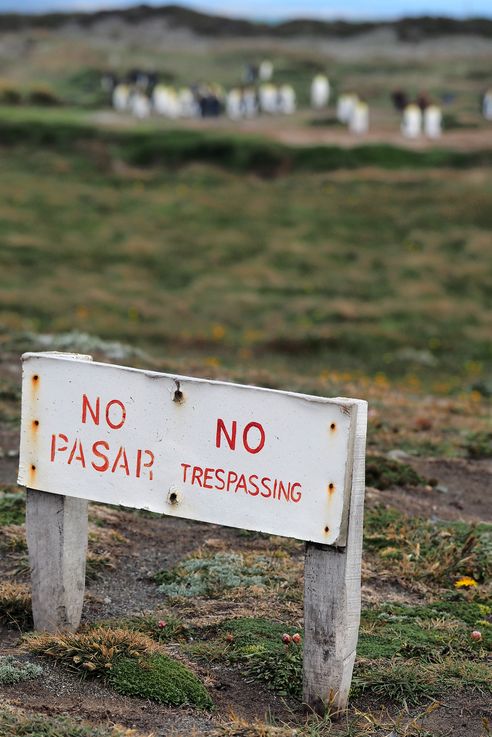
x: 383, y: 473
x: 12, y: 506
x: 15, y: 671
x: 420, y: 552
x: 212, y: 576
x: 161, y: 679
x: 479, y: 445
x: 15, y: 605
x: 15, y: 722
x: 129, y: 661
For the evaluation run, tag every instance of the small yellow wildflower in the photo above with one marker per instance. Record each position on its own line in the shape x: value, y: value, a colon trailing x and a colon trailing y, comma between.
x: 465, y: 582
x: 218, y: 332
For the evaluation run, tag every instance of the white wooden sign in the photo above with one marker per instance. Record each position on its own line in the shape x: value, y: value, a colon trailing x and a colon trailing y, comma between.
x: 232, y: 455
x: 258, y: 459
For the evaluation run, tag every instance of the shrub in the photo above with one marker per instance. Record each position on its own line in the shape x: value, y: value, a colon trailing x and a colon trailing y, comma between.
x: 15, y: 604
x: 160, y: 679
x: 9, y: 95
x: 14, y: 671
x: 279, y: 671
x: 42, y: 96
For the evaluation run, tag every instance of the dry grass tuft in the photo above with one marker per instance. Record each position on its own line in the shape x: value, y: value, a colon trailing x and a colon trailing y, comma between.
x: 15, y: 604
x: 93, y: 651
x: 13, y: 538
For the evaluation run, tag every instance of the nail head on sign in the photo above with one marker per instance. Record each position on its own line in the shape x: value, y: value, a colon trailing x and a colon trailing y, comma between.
x: 178, y: 394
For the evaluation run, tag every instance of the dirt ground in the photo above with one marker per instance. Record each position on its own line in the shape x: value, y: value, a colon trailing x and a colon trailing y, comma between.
x: 298, y: 130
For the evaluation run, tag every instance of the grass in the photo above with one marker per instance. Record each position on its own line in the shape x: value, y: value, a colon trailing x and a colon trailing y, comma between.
x: 285, y: 241
x: 12, y: 508
x: 15, y: 605
x: 479, y: 444
x: 405, y: 653
x: 418, y: 551
x: 256, y: 645
x: 162, y: 626
x: 95, y: 651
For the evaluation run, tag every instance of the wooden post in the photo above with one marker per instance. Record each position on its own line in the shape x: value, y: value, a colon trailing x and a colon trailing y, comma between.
x: 57, y: 542
x: 57, y: 535
x: 332, y: 599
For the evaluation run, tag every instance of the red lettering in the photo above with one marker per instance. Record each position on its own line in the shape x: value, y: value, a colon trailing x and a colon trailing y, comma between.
x: 231, y: 479
x: 265, y: 486
x: 80, y: 456
x: 196, y: 475
x: 95, y: 449
x: 219, y: 475
x: 60, y: 449
x: 86, y: 406
x: 283, y: 491
x: 121, y: 461
x: 254, y: 485
x: 221, y: 428
x: 185, y: 467
x: 145, y: 465
x: 115, y: 426
x: 246, y: 444
x: 207, y: 477
x: 298, y: 493
x: 241, y: 484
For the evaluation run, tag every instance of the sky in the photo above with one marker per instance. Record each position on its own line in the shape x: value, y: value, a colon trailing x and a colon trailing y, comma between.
x: 274, y: 10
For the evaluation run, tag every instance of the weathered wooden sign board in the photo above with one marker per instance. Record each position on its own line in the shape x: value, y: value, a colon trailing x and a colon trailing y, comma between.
x: 277, y: 462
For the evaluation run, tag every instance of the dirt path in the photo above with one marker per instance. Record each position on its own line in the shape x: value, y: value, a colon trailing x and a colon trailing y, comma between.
x: 305, y: 129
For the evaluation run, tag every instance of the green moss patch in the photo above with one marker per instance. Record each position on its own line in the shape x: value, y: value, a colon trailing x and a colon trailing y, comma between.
x: 383, y: 473
x: 160, y: 679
